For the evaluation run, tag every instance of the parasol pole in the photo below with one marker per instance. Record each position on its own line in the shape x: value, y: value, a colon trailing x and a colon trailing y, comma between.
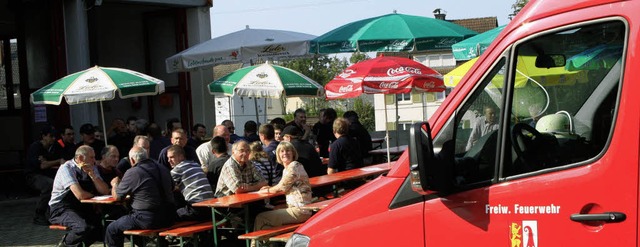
x: 386, y: 137
x: 255, y: 104
x: 396, y: 121
x: 104, y: 127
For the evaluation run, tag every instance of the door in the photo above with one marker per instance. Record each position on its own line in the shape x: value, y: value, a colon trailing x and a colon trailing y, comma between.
x: 544, y: 146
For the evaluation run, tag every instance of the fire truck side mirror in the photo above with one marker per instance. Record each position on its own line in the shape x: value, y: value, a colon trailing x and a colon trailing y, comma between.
x: 420, y: 156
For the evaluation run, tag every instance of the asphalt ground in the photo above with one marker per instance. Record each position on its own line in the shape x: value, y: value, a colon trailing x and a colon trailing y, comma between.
x: 16, y: 224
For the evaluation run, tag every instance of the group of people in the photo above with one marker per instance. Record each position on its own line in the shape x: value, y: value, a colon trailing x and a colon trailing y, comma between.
x: 161, y: 188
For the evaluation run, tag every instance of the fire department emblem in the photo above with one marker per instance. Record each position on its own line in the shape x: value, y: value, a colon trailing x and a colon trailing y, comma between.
x: 524, y: 234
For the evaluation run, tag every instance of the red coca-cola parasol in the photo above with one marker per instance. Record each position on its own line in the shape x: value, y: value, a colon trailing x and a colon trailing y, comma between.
x: 385, y: 75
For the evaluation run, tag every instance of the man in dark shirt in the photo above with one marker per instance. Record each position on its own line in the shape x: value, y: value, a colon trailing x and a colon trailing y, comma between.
x: 300, y: 122
x: 65, y: 146
x: 308, y: 156
x: 151, y: 189
x: 120, y: 136
x: 250, y: 131
x: 267, y: 135
x: 198, y: 132
x: 41, y: 167
x: 214, y: 165
x: 360, y: 133
x: 88, y: 133
x: 108, y: 167
x: 345, y: 151
x: 178, y: 137
x: 323, y: 131
x: 138, y: 141
x: 233, y: 137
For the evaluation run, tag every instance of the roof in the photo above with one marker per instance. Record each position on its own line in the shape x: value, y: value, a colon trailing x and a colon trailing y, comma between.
x: 224, y: 69
x: 479, y: 25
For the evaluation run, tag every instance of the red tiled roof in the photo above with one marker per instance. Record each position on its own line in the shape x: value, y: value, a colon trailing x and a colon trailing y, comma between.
x: 479, y: 25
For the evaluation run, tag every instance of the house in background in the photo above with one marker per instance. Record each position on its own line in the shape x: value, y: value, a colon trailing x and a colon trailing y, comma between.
x: 415, y: 106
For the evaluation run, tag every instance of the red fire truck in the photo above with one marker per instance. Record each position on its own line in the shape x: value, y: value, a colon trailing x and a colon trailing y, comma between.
x: 537, y: 145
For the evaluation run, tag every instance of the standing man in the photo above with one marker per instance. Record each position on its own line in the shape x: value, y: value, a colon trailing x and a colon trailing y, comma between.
x: 232, y: 129
x: 269, y: 145
x: 204, y: 150
x: 41, y: 167
x: 238, y: 174
x: 178, y: 137
x: 77, y: 179
x: 65, y: 146
x: 323, y: 131
x: 345, y: 151
x: 191, y: 182
x: 360, y: 133
x: 198, y: 132
x: 151, y: 189
x: 88, y: 133
x: 213, y: 168
x: 120, y: 136
x: 300, y: 122
x: 250, y: 131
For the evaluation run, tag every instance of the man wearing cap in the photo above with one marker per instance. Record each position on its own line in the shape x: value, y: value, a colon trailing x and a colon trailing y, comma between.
x: 40, y: 171
x: 308, y: 157
x: 300, y: 122
x: 89, y: 138
x: 307, y: 154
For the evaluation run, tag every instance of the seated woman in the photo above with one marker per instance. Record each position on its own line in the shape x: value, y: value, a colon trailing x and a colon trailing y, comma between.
x: 295, y: 185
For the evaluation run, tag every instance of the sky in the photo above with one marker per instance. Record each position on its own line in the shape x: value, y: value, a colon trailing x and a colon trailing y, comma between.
x: 319, y: 16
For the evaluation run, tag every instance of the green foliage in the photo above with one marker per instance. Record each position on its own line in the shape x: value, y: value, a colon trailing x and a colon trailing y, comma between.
x: 357, y: 57
x: 321, y: 68
x: 365, y: 112
x: 517, y: 6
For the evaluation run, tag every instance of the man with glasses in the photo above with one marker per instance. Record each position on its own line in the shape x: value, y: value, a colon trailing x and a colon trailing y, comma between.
x: 232, y: 135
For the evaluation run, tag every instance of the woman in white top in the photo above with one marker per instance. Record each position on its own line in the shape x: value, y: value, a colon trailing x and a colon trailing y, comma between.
x: 295, y: 185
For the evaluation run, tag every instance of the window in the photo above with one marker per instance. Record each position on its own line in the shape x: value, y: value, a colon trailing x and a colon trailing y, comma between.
x: 437, y: 60
x: 9, y: 76
x: 403, y: 97
x: 557, y: 110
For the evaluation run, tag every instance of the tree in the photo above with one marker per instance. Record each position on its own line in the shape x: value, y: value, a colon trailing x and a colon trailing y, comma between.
x: 365, y: 113
x: 321, y: 69
x: 517, y: 6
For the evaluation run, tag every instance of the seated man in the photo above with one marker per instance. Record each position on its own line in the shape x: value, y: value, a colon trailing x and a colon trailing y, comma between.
x: 77, y: 179
x: 110, y: 158
x: 238, y: 175
x: 484, y: 125
x: 178, y: 137
x: 40, y: 170
x: 151, y: 189
x: 191, y: 182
